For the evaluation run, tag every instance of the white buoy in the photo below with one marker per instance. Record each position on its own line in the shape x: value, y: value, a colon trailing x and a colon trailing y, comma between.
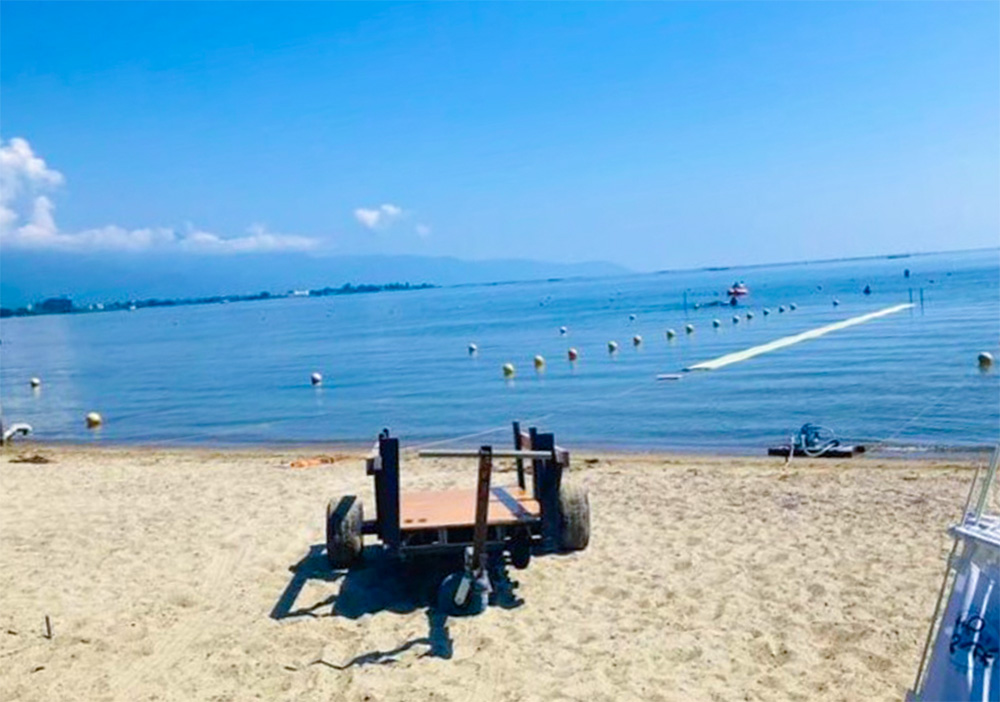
x: 636, y: 340
x: 473, y: 349
x: 985, y: 360
x: 689, y: 328
x: 766, y: 311
x: 539, y: 362
x: 508, y: 370
x: 612, y: 346
x: 671, y: 333
x: 316, y: 378
x: 736, y: 319
x: 781, y: 308
x: 36, y: 382
x: 716, y: 323
x: 836, y: 302
x: 631, y: 318
x: 792, y: 306
x: 563, y: 330
x: 573, y: 354
x: 749, y: 314
x: 94, y: 420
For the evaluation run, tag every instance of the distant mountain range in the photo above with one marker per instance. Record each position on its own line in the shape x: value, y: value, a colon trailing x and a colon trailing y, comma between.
x: 29, y: 277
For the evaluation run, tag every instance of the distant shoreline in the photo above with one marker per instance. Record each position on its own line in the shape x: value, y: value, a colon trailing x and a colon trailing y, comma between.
x: 846, y: 259
x: 64, y: 305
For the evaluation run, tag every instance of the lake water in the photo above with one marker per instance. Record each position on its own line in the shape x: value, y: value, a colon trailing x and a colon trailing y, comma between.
x: 239, y: 373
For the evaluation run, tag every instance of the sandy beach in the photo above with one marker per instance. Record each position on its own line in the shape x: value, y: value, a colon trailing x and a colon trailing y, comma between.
x: 194, y: 574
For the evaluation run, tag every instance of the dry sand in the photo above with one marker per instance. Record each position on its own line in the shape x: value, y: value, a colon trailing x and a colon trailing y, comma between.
x: 166, y: 576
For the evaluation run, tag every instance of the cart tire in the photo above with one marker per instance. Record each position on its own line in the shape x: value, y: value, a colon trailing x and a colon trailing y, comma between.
x: 344, y: 542
x: 520, y: 549
x: 475, y: 603
x: 574, y: 513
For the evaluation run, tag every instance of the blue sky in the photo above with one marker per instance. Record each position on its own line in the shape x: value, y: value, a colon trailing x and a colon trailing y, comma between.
x: 654, y: 135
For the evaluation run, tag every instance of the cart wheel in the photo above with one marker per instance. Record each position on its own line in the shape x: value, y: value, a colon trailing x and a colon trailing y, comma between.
x: 343, y: 531
x: 475, y: 600
x: 520, y: 549
x: 574, y: 513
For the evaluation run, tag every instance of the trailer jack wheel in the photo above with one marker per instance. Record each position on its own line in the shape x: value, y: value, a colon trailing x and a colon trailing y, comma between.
x: 461, y: 594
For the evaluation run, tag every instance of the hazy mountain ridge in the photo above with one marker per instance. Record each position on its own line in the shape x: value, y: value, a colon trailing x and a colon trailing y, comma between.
x: 28, y: 277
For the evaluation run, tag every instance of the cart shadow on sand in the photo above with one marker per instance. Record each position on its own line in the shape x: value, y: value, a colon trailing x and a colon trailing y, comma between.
x: 382, y: 584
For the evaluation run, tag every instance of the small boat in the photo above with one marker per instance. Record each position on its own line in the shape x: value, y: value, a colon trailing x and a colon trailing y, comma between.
x: 739, y: 289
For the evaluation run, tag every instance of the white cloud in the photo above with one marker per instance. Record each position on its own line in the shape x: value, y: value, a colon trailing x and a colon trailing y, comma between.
x: 381, y: 217
x: 423, y: 231
x: 27, y: 221
x: 19, y: 167
x: 23, y: 177
x: 258, y: 239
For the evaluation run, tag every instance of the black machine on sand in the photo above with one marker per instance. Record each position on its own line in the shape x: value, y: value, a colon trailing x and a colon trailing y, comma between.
x: 814, y: 441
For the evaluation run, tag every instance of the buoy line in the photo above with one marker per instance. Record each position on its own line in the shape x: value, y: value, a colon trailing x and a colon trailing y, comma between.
x: 784, y: 342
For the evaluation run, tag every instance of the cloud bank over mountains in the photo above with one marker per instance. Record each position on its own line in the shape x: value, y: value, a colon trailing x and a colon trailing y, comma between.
x: 41, y: 260
x: 27, y: 219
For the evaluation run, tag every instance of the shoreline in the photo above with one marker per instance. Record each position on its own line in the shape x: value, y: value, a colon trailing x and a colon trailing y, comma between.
x: 963, y: 454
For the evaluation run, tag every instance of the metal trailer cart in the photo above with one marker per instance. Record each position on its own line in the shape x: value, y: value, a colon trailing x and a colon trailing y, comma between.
x: 477, y: 524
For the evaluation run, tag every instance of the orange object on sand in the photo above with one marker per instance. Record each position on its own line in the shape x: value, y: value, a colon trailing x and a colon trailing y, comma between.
x: 312, y: 462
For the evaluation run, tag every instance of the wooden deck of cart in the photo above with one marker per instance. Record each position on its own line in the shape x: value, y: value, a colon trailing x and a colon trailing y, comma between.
x: 445, y: 509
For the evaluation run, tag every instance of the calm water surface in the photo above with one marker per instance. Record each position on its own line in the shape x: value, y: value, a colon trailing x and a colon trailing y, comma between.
x: 239, y: 373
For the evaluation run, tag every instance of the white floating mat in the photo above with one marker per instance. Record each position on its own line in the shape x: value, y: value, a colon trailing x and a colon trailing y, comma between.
x: 738, y: 356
